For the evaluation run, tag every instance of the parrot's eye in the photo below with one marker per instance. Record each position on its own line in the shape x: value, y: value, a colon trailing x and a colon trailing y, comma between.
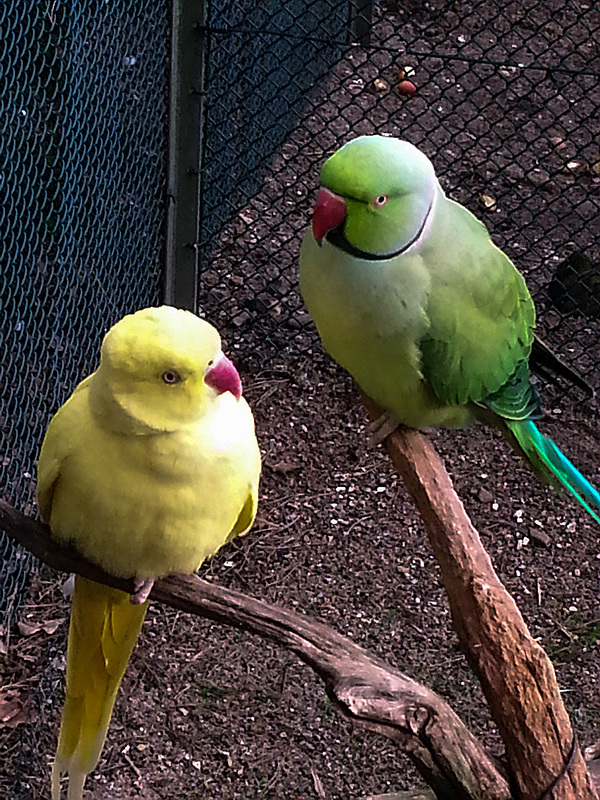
x: 380, y: 200
x: 170, y: 377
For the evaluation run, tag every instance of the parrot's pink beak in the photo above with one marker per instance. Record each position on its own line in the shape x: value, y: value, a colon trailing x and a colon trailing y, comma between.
x: 224, y: 377
x: 329, y: 212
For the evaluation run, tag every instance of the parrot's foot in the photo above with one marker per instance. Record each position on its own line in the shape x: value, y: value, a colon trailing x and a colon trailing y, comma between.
x: 68, y: 586
x: 142, y: 590
x: 381, y: 428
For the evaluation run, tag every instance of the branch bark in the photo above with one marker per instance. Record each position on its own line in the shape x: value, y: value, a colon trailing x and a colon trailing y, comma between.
x: 516, y: 675
x: 373, y: 694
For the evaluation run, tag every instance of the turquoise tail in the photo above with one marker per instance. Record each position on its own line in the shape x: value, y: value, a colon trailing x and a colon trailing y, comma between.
x: 552, y: 466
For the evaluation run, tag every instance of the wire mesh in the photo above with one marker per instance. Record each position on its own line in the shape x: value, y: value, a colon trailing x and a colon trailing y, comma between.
x: 83, y: 99
x: 506, y: 105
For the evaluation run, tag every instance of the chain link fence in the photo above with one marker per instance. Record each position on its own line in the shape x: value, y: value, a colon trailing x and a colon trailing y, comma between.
x: 506, y: 104
x: 83, y: 100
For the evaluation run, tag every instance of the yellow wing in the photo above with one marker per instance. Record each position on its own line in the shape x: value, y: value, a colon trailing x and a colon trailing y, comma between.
x: 55, y: 448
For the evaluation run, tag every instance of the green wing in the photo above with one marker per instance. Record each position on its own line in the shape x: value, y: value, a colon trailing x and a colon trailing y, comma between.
x: 481, y: 319
x: 518, y: 399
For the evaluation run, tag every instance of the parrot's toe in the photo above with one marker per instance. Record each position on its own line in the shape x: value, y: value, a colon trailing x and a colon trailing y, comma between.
x: 68, y: 586
x: 142, y: 590
x: 381, y: 428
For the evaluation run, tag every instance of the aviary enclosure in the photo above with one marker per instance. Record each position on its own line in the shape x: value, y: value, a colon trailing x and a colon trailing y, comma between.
x: 171, y: 151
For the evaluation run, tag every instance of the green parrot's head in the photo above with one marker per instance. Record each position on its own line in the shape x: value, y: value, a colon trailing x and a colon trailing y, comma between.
x: 376, y: 198
x: 163, y: 367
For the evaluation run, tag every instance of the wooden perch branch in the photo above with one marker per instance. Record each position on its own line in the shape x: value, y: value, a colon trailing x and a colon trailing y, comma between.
x: 516, y: 675
x: 384, y: 700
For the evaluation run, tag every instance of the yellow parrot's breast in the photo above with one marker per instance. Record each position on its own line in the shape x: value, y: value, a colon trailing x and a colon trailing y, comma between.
x: 149, y: 505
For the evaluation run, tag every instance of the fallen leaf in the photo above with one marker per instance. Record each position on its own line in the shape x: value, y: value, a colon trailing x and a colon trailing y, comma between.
x: 49, y: 626
x: 380, y: 85
x: 487, y: 201
x: 558, y: 142
x: 286, y: 466
x: 26, y: 629
x: 573, y: 166
x: 405, y: 72
x: 52, y: 625
x: 12, y: 711
x: 317, y: 784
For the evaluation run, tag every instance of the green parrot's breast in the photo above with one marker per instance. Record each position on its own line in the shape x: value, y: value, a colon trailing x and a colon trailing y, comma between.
x: 371, y: 318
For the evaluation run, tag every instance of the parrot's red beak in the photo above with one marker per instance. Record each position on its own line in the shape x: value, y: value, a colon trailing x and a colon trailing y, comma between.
x: 329, y: 212
x: 224, y: 377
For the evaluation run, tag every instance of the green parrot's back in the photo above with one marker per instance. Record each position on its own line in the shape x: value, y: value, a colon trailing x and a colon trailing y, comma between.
x: 481, y: 315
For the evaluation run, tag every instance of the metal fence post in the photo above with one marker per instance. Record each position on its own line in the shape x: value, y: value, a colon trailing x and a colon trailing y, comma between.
x: 359, y: 22
x: 188, y: 51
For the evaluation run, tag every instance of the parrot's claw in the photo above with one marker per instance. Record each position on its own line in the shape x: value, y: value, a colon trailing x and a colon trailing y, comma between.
x: 68, y: 586
x: 381, y: 428
x: 142, y: 590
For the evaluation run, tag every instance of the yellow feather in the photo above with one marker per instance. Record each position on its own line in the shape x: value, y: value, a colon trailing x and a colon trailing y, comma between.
x: 103, y: 631
x: 144, y: 476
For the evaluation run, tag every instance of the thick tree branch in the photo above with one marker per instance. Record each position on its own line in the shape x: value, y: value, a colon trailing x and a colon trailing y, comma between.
x: 384, y: 700
x: 516, y: 675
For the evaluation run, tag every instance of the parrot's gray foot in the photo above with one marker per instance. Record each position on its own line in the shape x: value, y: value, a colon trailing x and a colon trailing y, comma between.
x: 142, y: 590
x: 68, y: 586
x: 381, y: 428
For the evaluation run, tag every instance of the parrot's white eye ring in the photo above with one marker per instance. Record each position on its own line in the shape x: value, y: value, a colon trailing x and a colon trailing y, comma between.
x: 380, y: 200
x: 170, y: 377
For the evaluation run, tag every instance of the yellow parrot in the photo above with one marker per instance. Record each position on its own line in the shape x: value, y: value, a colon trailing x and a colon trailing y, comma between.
x: 149, y: 467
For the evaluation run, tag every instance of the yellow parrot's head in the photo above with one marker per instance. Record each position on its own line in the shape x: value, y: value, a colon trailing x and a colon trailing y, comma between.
x: 160, y: 369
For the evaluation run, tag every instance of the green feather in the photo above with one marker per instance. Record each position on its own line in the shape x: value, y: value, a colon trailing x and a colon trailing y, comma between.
x: 552, y: 465
x: 518, y: 399
x: 480, y: 311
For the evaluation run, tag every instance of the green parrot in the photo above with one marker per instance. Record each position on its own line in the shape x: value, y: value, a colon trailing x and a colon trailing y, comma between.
x: 411, y: 296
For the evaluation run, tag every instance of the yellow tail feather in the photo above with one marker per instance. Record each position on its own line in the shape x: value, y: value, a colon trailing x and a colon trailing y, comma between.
x: 103, y: 631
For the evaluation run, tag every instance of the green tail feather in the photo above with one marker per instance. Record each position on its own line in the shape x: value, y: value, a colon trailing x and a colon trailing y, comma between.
x: 552, y: 466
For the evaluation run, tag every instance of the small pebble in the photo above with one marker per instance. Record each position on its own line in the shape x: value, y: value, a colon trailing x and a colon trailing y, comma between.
x: 407, y: 88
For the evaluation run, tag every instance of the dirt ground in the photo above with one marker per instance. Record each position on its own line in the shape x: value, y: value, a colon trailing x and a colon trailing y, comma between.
x: 209, y: 712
